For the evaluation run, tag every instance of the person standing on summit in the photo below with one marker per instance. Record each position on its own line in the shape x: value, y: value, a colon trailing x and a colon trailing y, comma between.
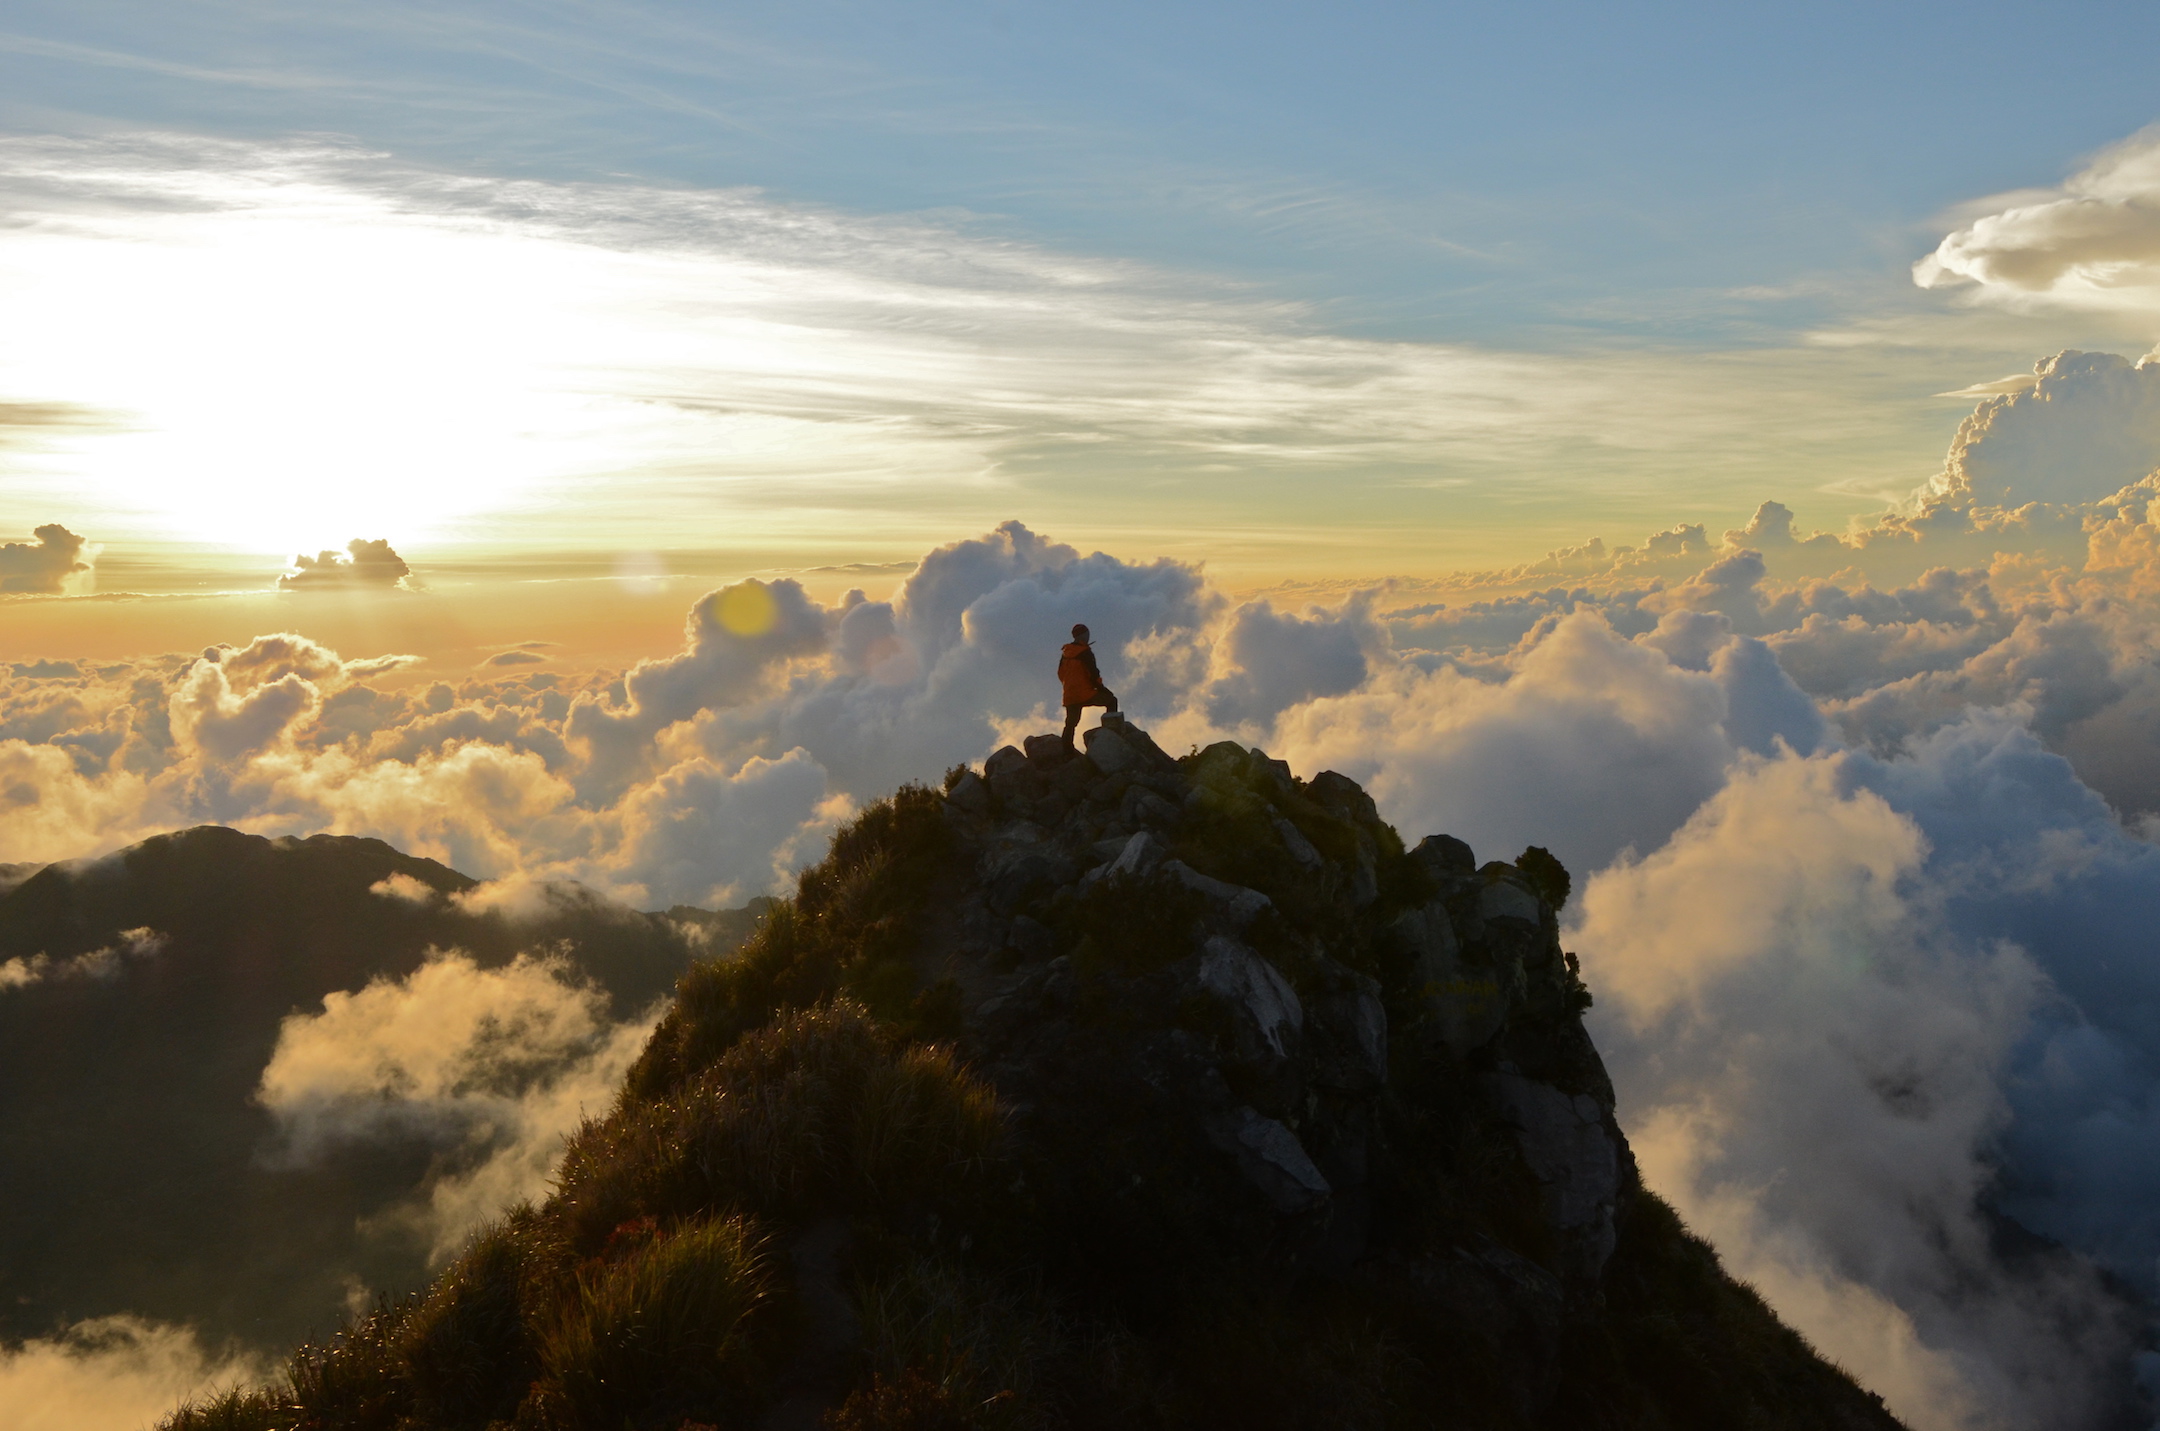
x: 1082, y: 680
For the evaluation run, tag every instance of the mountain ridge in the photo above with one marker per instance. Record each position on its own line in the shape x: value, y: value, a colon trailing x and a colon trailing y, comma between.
x: 1099, y: 1090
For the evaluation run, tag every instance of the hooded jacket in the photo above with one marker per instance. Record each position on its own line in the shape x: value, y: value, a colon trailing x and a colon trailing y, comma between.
x: 1078, y: 673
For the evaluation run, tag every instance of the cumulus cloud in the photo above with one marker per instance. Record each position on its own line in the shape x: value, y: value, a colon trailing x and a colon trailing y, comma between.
x: 45, y: 566
x: 2087, y: 426
x: 114, y: 1374
x: 733, y: 638
x: 707, y: 775
x: 1274, y: 660
x: 1590, y: 743
x: 492, y: 1066
x: 365, y: 564
x: 721, y: 838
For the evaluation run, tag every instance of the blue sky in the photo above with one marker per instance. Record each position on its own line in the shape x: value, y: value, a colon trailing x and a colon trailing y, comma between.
x: 1433, y: 171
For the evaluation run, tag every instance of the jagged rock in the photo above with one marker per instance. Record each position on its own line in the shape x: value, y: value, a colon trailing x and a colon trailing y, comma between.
x: 1478, y: 973
x: 1571, y: 1151
x: 1507, y: 896
x: 1272, y: 1160
x: 1461, y: 1004
x: 1017, y: 785
x: 1253, y: 986
x: 1136, y: 855
x: 1112, y: 754
x: 1046, y: 752
x: 1300, y: 848
x: 969, y: 793
x: 1345, y: 794
x: 1240, y: 905
x: 1072, y: 777
x: 1444, y: 858
x: 1117, y: 746
x: 1142, y: 806
x: 1023, y: 864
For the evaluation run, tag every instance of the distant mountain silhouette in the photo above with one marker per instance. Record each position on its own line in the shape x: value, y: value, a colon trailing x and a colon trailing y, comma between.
x: 131, y: 1174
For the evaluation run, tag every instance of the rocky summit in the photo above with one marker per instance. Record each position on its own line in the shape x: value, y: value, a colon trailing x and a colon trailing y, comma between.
x: 1101, y: 1089
x: 1257, y: 1005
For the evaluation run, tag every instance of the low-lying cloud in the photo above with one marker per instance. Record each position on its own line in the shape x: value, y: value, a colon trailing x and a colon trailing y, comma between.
x: 114, y: 1374
x: 104, y: 962
x: 493, y: 1067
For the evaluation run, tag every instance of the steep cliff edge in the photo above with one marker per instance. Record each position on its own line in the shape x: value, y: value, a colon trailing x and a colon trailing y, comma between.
x: 1110, y: 1090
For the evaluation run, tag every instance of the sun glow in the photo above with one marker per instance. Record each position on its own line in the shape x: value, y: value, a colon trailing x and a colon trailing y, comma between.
x: 291, y: 376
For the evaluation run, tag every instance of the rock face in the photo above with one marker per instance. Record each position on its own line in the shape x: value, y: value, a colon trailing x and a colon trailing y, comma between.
x: 1273, y: 1031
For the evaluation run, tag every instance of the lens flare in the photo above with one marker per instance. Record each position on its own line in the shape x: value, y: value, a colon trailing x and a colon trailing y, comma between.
x: 746, y: 609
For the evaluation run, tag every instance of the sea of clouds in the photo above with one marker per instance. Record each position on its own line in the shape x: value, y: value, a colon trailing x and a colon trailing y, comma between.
x: 1862, y: 825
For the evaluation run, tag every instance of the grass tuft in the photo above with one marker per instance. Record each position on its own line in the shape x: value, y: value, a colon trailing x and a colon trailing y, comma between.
x: 668, y: 1332
x: 467, y: 1351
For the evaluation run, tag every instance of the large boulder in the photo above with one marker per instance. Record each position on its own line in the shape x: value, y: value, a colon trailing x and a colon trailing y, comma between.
x: 1460, y: 997
x: 1572, y: 1147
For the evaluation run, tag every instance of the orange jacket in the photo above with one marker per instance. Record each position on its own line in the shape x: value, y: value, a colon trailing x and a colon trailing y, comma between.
x: 1077, y: 672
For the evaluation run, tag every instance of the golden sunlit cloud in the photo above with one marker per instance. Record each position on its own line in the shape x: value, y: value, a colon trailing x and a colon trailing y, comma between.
x: 2092, y: 244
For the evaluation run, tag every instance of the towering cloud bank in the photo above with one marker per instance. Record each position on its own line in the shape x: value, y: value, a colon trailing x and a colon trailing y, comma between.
x: 1857, y: 821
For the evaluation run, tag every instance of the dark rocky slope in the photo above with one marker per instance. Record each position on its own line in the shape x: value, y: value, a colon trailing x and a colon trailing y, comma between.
x: 1112, y: 1091
x: 152, y: 985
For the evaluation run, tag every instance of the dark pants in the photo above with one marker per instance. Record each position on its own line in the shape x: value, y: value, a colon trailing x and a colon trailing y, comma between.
x: 1104, y: 696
